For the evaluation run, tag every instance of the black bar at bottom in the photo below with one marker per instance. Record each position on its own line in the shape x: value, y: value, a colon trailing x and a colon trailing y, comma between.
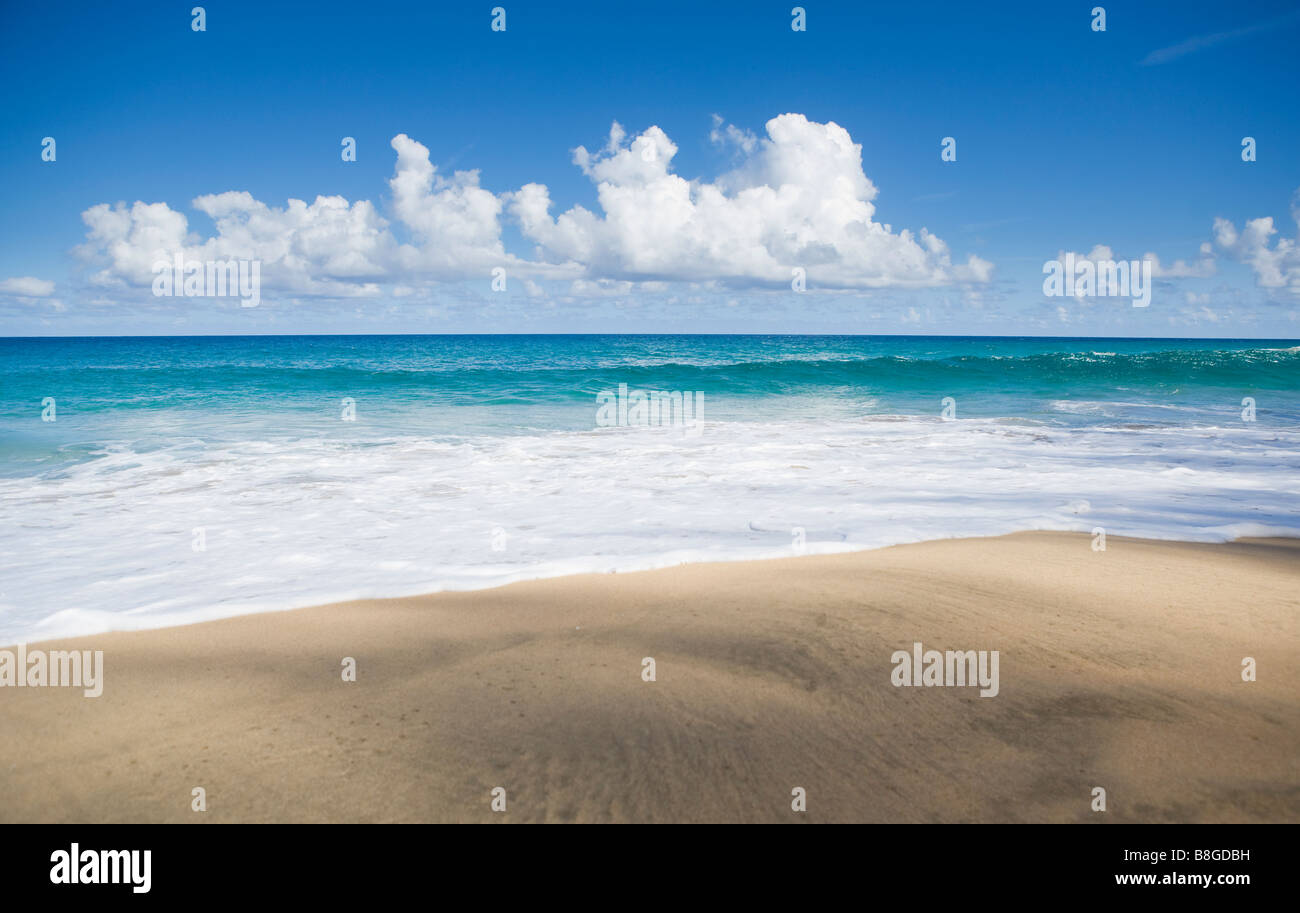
x: 303, y: 862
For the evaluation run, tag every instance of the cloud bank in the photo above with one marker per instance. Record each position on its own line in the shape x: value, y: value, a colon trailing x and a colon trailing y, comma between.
x: 798, y: 198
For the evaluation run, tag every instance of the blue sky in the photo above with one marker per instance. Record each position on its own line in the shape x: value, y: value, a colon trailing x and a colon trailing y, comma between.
x: 1067, y: 138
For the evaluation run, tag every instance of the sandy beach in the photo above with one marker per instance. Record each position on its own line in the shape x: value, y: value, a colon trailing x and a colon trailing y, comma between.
x: 1119, y: 669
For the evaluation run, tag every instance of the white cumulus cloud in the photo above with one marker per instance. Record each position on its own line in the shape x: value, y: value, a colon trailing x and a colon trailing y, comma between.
x: 1276, y: 266
x: 328, y: 247
x: 27, y: 287
x: 796, y: 199
x: 799, y: 199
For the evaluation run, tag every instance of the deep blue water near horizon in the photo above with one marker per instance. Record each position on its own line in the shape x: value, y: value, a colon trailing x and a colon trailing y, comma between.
x: 462, y: 443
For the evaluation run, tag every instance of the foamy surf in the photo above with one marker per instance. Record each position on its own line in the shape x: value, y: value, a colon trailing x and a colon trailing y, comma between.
x: 139, y: 517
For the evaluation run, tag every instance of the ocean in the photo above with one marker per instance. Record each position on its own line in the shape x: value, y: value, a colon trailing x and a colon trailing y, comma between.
x: 147, y: 482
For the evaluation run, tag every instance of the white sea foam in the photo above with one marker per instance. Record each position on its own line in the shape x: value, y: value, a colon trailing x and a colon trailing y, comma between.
x: 107, y: 543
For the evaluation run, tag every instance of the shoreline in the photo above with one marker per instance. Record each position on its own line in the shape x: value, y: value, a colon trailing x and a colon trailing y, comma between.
x: 660, y: 563
x: 1119, y: 669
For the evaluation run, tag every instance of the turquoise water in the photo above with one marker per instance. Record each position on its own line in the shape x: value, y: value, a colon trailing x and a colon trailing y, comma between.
x: 329, y: 467
x: 454, y: 386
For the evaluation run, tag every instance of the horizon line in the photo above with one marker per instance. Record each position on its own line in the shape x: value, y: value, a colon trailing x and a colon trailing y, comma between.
x: 1295, y: 339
